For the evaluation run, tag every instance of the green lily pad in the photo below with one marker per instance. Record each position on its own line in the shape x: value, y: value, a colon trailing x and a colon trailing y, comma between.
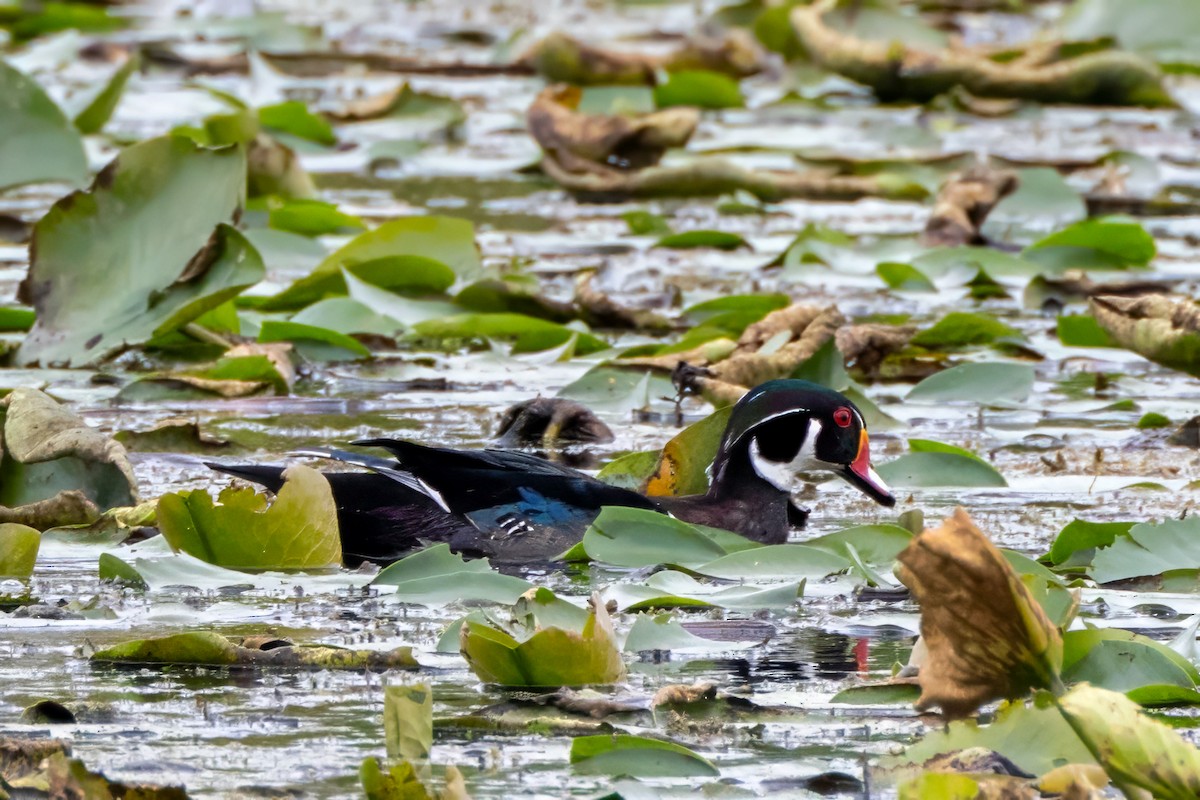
x: 700, y: 88
x: 787, y: 561
x: 904, y: 277
x: 1124, y: 665
x: 717, y: 240
x: 312, y: 342
x: 638, y: 757
x: 1076, y: 543
x: 645, y: 223
x: 528, y: 334
x: 634, y: 537
x: 114, y: 570
x: 663, y: 632
x: 985, y: 383
x: 346, y: 315
x: 408, y: 242
x: 18, y: 550
x: 1149, y: 549
x: 37, y: 142
x: 878, y: 694
x: 14, y: 319
x: 672, y: 589
x: 309, y: 217
x: 293, y: 117
x: 1082, y: 330
x: 962, y: 328
x: 297, y: 532
x: 929, y: 470
x: 877, y: 545
x: 140, y: 254
x: 206, y: 648
x: 1096, y: 244
x: 435, y: 576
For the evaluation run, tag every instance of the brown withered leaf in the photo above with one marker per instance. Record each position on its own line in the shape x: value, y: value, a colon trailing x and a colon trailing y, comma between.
x: 577, y: 141
x: 1162, y: 328
x: 752, y: 368
x: 563, y: 58
x: 682, y: 694
x: 599, y: 310
x: 794, y: 318
x: 962, y: 205
x: 864, y: 347
x: 71, y: 507
x: 987, y: 638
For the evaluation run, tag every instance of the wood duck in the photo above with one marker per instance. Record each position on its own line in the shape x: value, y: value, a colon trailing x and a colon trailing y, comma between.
x: 515, y: 507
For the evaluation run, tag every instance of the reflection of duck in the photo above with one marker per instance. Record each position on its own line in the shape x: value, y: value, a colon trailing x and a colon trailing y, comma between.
x: 517, y: 507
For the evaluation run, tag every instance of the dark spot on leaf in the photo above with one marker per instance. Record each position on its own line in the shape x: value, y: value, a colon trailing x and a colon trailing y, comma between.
x: 92, y: 342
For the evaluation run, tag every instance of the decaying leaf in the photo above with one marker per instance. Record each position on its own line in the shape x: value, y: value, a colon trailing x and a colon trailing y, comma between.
x: 20, y: 758
x: 1162, y: 328
x: 599, y: 310
x: 70, y: 778
x: 54, y: 469
x: 559, y: 57
x: 987, y: 638
x: 898, y: 72
x: 962, y: 205
x: 577, y: 141
x: 19, y: 546
x: 1138, y: 752
x: 866, y: 347
x: 206, y: 648
x: 173, y: 435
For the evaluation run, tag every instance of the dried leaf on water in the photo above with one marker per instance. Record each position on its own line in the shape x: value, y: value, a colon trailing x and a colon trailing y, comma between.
x: 987, y: 638
x: 1163, y: 328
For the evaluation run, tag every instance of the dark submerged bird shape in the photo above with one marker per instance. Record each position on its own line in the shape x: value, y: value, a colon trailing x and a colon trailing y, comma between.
x: 515, y: 507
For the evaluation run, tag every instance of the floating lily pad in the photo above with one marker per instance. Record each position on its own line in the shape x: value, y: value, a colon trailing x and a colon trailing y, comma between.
x: 1097, y: 244
x: 632, y: 537
x: 140, y: 254
x: 699, y: 88
x: 297, y: 532
x: 961, y: 328
x: 293, y: 117
x: 435, y: 576
x: 904, y: 277
x: 408, y: 243
x: 929, y: 470
x: 638, y: 757
x: 408, y: 720
x: 1082, y: 330
x: 985, y: 383
x: 528, y: 334
x: 309, y: 217
x: 717, y: 240
x: 1149, y: 549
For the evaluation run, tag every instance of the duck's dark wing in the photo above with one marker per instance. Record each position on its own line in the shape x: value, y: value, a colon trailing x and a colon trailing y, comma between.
x: 508, y: 481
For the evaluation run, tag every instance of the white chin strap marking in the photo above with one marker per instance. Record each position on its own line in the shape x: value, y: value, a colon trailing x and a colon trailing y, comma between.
x: 782, y: 474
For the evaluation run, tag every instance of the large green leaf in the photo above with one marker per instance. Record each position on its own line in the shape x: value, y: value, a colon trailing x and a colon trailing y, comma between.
x: 528, y: 334
x: 1123, y: 666
x: 986, y: 383
x: 37, y: 142
x: 700, y: 88
x: 408, y: 243
x: 961, y: 328
x: 19, y: 546
x: 1167, y: 31
x: 297, y: 532
x: 787, y: 561
x: 140, y: 254
x: 1076, y: 543
x: 637, y: 756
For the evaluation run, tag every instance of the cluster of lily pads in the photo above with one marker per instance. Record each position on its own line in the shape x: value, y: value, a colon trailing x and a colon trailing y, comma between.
x: 203, y: 264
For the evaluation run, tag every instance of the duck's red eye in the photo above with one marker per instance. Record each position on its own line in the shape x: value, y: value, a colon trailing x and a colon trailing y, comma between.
x: 842, y: 417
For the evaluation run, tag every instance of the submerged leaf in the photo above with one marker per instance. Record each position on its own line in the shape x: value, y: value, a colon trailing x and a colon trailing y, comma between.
x: 299, y: 531
x: 987, y: 638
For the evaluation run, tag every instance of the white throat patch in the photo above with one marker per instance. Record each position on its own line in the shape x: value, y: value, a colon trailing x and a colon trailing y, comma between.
x: 782, y: 474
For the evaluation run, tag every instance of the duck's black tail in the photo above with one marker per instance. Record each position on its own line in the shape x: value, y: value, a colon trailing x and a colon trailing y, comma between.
x: 264, y: 474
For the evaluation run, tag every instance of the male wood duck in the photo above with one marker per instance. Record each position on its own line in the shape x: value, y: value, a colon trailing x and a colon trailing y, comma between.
x: 515, y: 507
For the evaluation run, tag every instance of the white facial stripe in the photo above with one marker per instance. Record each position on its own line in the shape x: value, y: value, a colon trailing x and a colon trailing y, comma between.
x: 782, y: 475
